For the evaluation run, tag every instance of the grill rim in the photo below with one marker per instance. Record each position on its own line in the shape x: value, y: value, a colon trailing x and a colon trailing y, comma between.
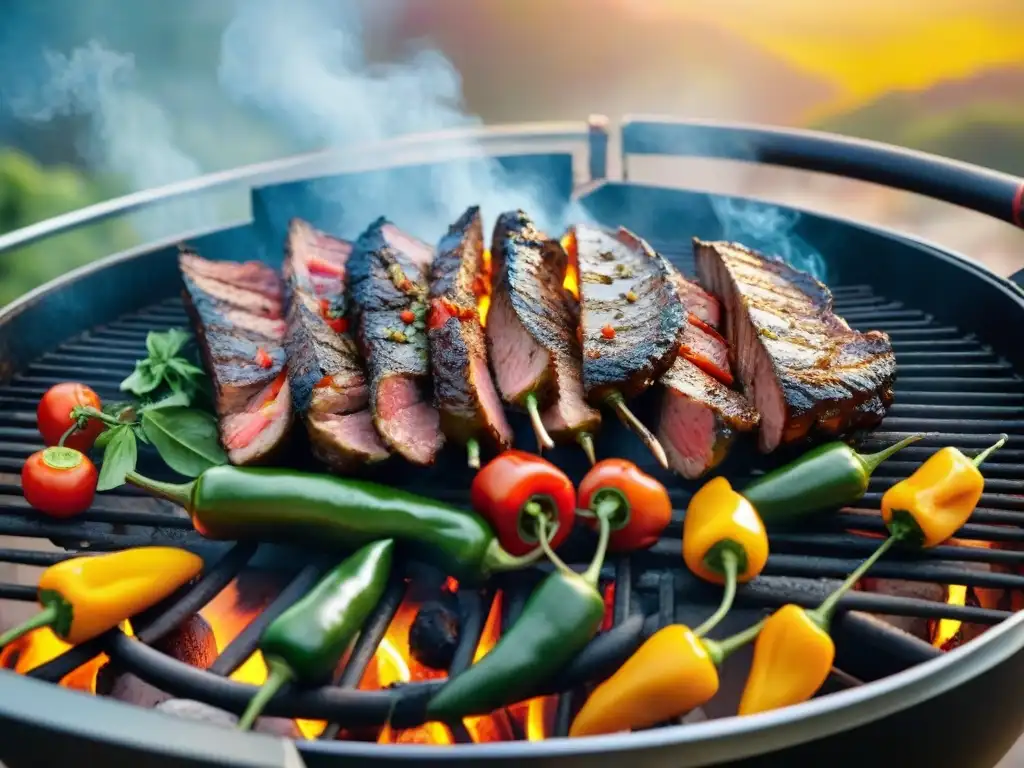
x: 812, y: 720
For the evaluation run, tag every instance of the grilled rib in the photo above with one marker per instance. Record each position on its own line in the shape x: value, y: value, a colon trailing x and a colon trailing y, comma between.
x: 328, y: 384
x: 388, y: 277
x: 801, y: 365
x: 530, y: 330
x: 236, y: 312
x: 464, y: 392
x: 630, y: 316
x: 700, y: 414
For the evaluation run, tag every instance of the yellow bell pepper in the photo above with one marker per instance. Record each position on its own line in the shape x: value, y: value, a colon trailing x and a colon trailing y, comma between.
x: 86, y: 596
x: 724, y: 541
x: 934, y: 502
x: 792, y: 658
x: 669, y: 675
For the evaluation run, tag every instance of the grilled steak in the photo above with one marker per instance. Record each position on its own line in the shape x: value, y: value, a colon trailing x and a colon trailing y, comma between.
x: 236, y: 311
x: 802, y: 366
x: 325, y: 372
x: 630, y: 316
x: 700, y: 342
x: 531, y: 327
x: 388, y: 279
x: 463, y: 389
x: 700, y: 416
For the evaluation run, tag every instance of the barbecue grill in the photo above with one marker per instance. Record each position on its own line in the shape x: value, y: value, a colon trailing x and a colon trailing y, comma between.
x: 960, y: 377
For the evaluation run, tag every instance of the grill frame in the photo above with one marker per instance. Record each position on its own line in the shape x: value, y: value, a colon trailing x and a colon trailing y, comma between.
x: 927, y: 682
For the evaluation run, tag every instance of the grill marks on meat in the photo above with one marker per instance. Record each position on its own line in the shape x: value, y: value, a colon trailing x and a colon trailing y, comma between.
x: 325, y: 372
x: 531, y: 328
x: 801, y: 365
x: 236, y: 312
x: 388, y: 276
x: 700, y: 416
x: 625, y: 287
x: 464, y: 392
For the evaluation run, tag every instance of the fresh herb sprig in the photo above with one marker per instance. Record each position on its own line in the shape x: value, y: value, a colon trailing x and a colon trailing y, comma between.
x: 164, y: 368
x: 166, y: 385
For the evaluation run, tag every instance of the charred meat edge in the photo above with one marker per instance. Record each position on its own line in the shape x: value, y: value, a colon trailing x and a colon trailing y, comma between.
x: 800, y: 364
x: 325, y: 371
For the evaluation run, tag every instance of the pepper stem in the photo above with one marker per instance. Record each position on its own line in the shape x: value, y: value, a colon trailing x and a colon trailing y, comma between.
x: 47, y: 616
x: 730, y: 564
x: 279, y: 674
x: 473, y: 453
x: 977, y: 460
x: 543, y: 438
x: 179, y: 493
x: 586, y: 441
x: 593, y: 572
x: 498, y: 560
x: 629, y: 419
x: 872, y: 460
x: 542, y: 529
x: 720, y: 650
x: 824, y: 612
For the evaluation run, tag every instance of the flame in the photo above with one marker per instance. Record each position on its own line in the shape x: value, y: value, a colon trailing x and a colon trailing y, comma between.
x: 41, y: 646
x: 483, y: 303
x: 227, y: 617
x: 946, y: 630
x: 571, y: 283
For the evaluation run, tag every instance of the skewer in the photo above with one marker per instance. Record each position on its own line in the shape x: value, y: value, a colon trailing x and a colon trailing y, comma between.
x: 629, y: 419
x: 544, y: 440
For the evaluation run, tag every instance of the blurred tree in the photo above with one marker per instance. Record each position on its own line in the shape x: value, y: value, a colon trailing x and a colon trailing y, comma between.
x: 30, y: 193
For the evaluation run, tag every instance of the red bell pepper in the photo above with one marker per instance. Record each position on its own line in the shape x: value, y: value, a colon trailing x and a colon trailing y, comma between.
x: 637, y: 505
x: 513, y: 489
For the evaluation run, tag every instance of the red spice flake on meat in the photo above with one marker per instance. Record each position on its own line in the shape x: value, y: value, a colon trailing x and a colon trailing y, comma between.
x: 326, y: 381
x: 608, y: 332
x: 263, y: 359
x: 408, y: 316
x: 324, y: 268
x: 337, y: 323
x: 442, y: 310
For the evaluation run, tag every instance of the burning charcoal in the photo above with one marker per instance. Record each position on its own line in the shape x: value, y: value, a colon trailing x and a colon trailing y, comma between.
x: 434, y: 633
x: 187, y: 709
x: 917, y: 627
x: 192, y: 643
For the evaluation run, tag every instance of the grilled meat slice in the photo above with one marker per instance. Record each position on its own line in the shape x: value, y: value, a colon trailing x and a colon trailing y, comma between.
x: 236, y: 313
x: 388, y: 278
x: 800, y: 364
x: 630, y: 316
x: 463, y: 389
x: 704, y: 347
x: 531, y: 328
x: 700, y: 416
x: 698, y: 302
x: 325, y: 372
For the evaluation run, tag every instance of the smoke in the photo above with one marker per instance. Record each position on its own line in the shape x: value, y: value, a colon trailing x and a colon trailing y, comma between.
x: 127, y: 134
x: 770, y: 229
x: 303, y: 63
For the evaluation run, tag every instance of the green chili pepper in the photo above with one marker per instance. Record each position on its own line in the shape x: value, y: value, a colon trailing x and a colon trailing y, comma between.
x: 562, y: 615
x: 306, y: 642
x: 236, y: 503
x: 829, y: 476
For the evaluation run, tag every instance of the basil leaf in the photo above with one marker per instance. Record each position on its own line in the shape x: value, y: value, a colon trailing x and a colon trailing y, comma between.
x: 143, y: 379
x: 164, y: 346
x: 185, y: 438
x: 119, y: 458
x: 184, y: 367
x: 104, y: 438
x: 173, y: 400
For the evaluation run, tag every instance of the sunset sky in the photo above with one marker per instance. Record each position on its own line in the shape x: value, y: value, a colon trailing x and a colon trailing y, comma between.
x: 867, y: 47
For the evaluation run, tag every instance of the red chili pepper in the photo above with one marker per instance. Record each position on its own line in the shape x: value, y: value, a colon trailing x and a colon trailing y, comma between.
x: 263, y: 359
x: 512, y: 488
x: 638, y: 505
x: 408, y: 316
x: 59, y: 481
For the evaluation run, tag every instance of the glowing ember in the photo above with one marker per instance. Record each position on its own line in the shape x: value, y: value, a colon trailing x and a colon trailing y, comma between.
x: 571, y: 282
x: 483, y: 304
x: 946, y: 630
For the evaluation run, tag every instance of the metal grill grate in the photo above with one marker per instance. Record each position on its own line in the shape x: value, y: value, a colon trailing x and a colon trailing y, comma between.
x: 948, y: 383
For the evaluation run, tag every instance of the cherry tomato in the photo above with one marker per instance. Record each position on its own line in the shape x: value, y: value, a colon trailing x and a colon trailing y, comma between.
x: 53, y: 416
x: 639, y: 506
x: 505, y: 486
x: 59, y: 481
